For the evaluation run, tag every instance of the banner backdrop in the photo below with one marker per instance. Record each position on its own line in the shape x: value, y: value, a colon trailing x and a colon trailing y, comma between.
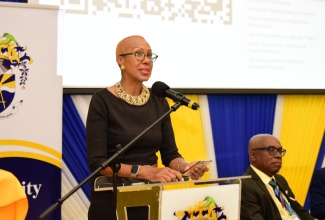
x: 31, y: 102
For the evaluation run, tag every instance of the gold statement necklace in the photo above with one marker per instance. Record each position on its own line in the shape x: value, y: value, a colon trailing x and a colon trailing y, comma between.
x: 132, y: 100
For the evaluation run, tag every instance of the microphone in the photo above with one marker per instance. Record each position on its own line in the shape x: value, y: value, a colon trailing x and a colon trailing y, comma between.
x: 160, y: 89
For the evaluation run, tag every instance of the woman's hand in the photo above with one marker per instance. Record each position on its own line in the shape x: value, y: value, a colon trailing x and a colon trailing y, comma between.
x: 162, y: 175
x: 196, y: 173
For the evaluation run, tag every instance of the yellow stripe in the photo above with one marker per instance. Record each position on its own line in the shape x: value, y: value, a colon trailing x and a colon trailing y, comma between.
x: 32, y: 145
x: 188, y: 129
x: 5, y: 77
x: 10, y: 84
x: 303, y: 125
x: 31, y: 156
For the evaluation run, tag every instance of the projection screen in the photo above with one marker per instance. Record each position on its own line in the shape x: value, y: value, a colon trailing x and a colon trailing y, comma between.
x: 259, y: 44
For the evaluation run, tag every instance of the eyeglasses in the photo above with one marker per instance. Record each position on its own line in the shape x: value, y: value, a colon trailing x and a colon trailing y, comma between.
x: 141, y: 55
x: 273, y: 150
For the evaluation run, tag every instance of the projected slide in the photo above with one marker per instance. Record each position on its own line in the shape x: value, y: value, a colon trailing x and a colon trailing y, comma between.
x: 267, y: 44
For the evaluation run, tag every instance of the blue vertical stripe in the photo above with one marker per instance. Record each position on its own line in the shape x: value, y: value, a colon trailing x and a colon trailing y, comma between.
x: 74, y: 144
x: 234, y: 119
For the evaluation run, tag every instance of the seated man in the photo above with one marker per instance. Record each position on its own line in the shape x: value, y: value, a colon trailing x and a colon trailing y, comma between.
x: 317, y: 194
x: 267, y: 194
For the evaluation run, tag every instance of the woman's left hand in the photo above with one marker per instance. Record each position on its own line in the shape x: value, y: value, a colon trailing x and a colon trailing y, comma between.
x: 197, y: 172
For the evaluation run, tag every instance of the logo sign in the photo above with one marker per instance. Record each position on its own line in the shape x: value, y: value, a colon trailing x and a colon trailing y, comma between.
x: 14, y: 69
x: 206, y: 209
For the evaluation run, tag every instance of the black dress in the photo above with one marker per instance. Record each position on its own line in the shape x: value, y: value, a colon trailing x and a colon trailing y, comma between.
x: 110, y: 122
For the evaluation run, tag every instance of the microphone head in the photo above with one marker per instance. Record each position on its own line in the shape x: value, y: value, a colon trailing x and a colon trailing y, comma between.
x: 159, y: 89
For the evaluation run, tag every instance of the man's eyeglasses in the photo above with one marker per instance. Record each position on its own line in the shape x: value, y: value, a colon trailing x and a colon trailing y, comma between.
x: 141, y: 55
x: 273, y: 150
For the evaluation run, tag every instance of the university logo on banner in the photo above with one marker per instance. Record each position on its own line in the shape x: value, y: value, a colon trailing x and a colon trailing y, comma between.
x: 14, y: 69
x: 21, y: 151
x: 31, y: 128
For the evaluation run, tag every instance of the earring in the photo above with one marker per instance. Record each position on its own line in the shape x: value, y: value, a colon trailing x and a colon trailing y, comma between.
x: 122, y: 67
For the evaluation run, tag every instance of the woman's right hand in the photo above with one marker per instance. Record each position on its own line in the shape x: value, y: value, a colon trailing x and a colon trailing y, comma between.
x: 162, y: 175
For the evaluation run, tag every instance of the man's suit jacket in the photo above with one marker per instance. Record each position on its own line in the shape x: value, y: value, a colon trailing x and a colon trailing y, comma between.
x: 257, y: 203
x: 317, y: 194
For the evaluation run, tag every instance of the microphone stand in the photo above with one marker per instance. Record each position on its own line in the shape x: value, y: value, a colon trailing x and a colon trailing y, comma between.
x: 106, y: 164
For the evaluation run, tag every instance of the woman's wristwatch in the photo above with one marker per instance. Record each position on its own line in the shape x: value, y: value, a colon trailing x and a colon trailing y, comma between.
x: 135, y: 170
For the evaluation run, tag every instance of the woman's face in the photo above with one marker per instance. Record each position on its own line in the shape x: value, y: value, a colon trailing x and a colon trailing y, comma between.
x: 135, y: 68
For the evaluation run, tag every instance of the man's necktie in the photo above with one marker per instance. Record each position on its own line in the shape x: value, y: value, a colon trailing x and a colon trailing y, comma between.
x: 280, y: 196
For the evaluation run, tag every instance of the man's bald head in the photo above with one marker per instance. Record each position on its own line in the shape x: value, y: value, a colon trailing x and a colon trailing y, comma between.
x: 257, y: 141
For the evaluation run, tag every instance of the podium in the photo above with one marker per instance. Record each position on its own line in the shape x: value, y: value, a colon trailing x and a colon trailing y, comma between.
x: 194, y: 199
